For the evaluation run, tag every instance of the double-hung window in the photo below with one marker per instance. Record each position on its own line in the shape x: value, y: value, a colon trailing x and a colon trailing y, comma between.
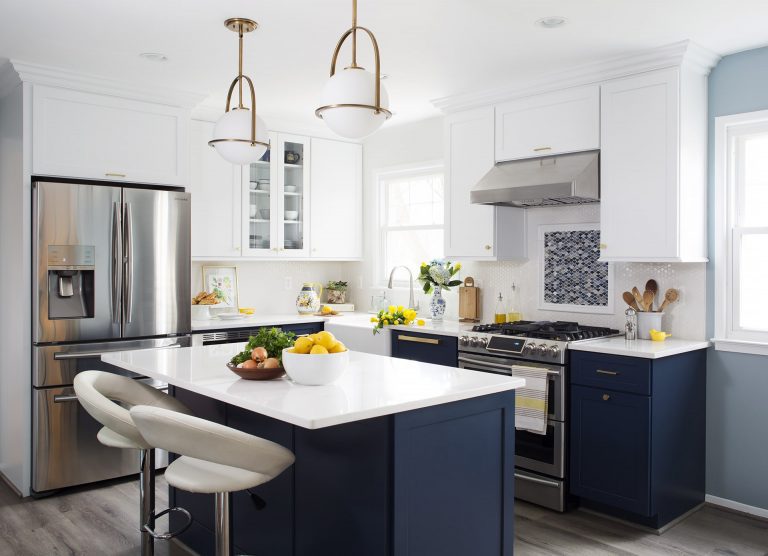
x: 741, y: 231
x: 411, y: 213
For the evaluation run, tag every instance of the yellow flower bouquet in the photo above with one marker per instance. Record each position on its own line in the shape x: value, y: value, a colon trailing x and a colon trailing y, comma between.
x: 394, y: 316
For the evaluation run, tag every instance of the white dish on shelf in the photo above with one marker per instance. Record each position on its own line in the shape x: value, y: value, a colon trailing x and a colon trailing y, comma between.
x: 291, y: 214
x: 231, y: 316
x: 290, y: 188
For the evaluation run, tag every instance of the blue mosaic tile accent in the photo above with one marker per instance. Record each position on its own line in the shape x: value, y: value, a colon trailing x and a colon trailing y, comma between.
x: 572, y: 273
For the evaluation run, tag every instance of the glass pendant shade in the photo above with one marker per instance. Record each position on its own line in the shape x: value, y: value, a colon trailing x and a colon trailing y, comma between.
x: 353, y: 86
x: 236, y: 124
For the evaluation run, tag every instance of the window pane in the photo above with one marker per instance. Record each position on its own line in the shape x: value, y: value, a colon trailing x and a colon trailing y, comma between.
x: 411, y: 248
x: 753, y: 305
x: 755, y: 181
x: 415, y: 201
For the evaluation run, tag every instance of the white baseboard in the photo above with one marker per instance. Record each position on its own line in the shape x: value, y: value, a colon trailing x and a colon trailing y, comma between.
x: 736, y: 506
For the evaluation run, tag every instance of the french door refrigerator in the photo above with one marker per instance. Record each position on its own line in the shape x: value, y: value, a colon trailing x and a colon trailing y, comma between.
x: 112, y: 270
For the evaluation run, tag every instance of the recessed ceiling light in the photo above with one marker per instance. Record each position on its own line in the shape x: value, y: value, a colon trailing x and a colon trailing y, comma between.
x: 551, y: 22
x: 154, y: 56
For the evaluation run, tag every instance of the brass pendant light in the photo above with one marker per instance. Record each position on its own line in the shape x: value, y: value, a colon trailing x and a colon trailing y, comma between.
x: 240, y: 137
x: 355, y: 103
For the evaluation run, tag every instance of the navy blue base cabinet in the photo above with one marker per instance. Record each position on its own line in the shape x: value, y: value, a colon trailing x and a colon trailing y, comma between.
x: 433, y: 481
x: 638, y: 434
x: 427, y: 348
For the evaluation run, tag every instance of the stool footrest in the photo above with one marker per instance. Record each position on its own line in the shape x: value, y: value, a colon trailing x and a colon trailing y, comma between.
x: 170, y: 534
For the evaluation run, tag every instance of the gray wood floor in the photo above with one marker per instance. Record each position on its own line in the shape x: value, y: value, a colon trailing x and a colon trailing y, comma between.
x: 102, y: 520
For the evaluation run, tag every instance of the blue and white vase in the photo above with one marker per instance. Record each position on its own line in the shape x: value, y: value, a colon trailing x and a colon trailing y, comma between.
x: 437, y: 304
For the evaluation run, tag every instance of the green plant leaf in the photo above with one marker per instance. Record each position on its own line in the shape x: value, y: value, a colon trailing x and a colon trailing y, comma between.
x: 453, y: 283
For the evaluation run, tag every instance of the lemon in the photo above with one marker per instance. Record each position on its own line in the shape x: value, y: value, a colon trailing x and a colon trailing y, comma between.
x: 325, y: 339
x: 303, y: 345
x: 338, y: 348
x: 420, y: 322
x: 318, y: 350
x: 326, y: 309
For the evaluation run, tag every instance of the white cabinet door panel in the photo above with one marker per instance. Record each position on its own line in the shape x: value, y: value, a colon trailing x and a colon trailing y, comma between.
x: 552, y: 123
x: 337, y: 200
x: 86, y: 135
x: 639, y: 167
x: 216, y: 197
x: 469, y: 141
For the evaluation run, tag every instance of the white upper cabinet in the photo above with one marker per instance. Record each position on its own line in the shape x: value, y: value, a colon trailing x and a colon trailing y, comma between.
x: 653, y: 180
x: 553, y: 123
x: 471, y: 231
x: 337, y: 200
x: 215, y: 189
x: 86, y: 135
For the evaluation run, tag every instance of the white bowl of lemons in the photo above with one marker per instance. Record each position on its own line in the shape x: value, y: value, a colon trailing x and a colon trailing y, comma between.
x: 316, y: 359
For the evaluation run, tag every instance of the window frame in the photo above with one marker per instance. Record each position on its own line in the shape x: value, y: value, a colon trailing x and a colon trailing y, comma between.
x: 382, y: 208
x: 728, y: 233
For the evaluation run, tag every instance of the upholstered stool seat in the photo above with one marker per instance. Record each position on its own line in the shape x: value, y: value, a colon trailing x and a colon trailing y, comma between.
x: 214, y: 459
x: 107, y: 397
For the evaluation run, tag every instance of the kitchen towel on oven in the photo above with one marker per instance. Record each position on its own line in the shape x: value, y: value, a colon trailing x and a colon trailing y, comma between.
x: 531, y: 401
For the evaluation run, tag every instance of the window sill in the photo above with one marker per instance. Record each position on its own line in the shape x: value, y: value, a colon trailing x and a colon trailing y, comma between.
x: 741, y: 346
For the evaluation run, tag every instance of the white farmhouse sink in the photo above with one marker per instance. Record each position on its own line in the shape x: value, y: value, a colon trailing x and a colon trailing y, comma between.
x: 356, y: 331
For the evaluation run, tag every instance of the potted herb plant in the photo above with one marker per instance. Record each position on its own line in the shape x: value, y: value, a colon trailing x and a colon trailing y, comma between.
x: 337, y: 291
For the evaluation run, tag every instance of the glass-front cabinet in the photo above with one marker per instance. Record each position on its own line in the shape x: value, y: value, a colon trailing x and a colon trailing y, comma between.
x: 276, y: 199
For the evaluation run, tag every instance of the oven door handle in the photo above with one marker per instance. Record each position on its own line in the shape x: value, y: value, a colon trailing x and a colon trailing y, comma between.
x: 63, y: 356
x: 509, y: 368
x: 536, y: 480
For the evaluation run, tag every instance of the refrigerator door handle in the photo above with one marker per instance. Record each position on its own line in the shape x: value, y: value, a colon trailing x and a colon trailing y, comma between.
x: 61, y: 398
x: 115, y: 263
x: 63, y: 356
x: 128, y: 260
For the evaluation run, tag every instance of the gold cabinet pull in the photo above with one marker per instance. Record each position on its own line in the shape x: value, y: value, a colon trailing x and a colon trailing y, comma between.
x: 418, y: 340
x: 606, y: 397
x: 602, y: 372
x: 487, y: 247
x: 115, y: 175
x: 539, y: 149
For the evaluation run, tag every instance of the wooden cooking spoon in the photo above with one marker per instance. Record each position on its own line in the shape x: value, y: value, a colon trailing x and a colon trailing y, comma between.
x: 629, y: 299
x: 651, y: 285
x: 670, y: 296
x: 638, y: 297
x: 648, y: 296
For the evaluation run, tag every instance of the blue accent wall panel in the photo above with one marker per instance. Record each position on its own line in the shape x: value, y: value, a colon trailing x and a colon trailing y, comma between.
x: 737, y: 412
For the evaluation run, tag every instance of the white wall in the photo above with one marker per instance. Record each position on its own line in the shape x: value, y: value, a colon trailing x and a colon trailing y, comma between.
x: 421, y: 142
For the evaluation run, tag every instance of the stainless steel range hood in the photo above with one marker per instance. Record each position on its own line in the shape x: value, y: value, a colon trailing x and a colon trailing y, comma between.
x: 566, y: 179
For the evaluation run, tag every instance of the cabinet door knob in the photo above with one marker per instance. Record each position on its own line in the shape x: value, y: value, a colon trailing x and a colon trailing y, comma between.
x: 606, y: 397
x: 603, y: 246
x: 487, y: 247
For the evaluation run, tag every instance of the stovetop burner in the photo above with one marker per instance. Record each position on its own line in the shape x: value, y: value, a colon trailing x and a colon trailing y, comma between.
x: 546, y: 330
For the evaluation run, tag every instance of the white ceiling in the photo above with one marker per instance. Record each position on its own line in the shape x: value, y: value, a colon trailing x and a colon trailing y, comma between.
x: 429, y: 48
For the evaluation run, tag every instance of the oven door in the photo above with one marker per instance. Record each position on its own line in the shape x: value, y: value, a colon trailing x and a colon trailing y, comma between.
x: 556, y: 378
x: 544, y: 453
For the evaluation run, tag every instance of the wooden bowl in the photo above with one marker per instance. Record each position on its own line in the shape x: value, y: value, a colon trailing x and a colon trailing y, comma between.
x: 256, y: 374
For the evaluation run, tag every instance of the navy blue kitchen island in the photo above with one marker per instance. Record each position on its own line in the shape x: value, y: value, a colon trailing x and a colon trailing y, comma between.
x: 396, y: 457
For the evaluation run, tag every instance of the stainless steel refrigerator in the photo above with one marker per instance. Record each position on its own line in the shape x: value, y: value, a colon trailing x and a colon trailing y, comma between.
x: 112, y: 271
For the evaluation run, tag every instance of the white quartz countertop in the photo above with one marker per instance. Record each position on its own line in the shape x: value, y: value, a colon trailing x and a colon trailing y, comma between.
x: 640, y: 348
x: 372, y: 386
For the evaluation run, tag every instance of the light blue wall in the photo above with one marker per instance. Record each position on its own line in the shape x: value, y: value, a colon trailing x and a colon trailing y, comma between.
x: 737, y: 385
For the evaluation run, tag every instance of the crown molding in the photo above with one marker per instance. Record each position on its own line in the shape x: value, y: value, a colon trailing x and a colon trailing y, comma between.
x: 55, y: 77
x: 683, y: 53
x: 9, y: 79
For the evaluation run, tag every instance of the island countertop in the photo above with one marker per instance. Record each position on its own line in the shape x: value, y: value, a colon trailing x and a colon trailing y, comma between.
x: 372, y: 386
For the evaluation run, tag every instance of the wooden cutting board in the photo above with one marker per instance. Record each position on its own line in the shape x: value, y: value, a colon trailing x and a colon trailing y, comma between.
x: 469, y: 301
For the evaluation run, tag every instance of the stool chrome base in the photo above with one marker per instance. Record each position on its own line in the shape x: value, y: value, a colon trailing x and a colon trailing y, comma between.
x: 222, y: 525
x: 147, y: 501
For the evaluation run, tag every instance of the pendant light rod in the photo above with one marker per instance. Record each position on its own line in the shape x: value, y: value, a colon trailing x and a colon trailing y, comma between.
x: 354, y: 34
x: 240, y: 66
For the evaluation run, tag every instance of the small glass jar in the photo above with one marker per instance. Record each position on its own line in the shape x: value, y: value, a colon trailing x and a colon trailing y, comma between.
x: 500, y: 314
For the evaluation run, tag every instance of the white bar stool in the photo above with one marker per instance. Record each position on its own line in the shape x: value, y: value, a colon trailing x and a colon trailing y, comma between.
x: 215, y: 459
x: 98, y: 392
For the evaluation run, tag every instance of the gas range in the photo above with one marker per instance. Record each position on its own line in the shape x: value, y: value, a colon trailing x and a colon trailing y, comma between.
x: 537, y: 341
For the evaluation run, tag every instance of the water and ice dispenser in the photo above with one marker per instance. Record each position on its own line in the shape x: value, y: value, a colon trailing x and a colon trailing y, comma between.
x: 70, y: 281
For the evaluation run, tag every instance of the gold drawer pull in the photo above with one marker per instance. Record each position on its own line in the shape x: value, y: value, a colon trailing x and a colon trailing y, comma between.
x: 487, y: 247
x: 602, y: 372
x: 115, y: 175
x: 418, y: 340
x: 539, y: 149
x: 606, y: 397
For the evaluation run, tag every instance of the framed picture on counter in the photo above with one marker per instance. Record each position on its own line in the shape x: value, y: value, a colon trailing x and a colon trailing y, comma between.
x: 572, y: 276
x: 222, y: 280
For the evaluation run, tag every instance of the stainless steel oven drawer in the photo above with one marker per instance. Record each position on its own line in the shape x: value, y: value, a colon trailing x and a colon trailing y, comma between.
x: 540, y: 490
